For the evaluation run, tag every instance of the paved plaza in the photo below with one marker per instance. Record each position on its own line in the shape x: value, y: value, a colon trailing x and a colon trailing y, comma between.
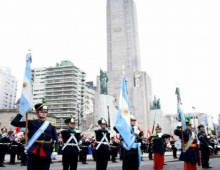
x: 172, y: 164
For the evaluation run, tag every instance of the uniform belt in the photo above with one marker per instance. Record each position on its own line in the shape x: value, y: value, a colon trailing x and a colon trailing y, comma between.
x: 104, y: 143
x: 14, y: 145
x: 192, y: 145
x: 113, y: 146
x: 4, y: 143
x: 43, y: 142
x: 70, y: 144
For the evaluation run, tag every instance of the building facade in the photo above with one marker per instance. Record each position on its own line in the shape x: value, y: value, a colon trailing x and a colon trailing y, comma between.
x: 8, y: 89
x: 64, y: 89
x: 7, y: 115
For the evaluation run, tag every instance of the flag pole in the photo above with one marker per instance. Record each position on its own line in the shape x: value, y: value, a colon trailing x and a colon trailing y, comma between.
x: 26, y: 130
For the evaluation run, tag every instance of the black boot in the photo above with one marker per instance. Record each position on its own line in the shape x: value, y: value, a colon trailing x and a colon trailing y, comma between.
x: 1, y: 165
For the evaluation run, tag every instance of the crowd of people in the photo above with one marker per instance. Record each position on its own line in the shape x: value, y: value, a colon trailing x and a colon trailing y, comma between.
x: 44, y: 144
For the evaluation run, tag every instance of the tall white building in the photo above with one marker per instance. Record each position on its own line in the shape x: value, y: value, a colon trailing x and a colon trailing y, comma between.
x: 38, y: 75
x: 8, y: 89
x: 64, y: 88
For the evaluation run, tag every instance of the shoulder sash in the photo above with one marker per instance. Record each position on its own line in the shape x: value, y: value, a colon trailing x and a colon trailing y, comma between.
x: 37, y: 134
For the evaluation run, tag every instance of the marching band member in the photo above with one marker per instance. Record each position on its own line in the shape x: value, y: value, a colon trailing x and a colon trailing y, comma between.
x: 114, y: 149
x: 204, y: 147
x: 41, y: 135
x: 70, y: 138
x: 4, y: 146
x: 174, y: 149
x: 189, y: 152
x: 158, y: 141
x: 84, y: 146
x: 102, y: 145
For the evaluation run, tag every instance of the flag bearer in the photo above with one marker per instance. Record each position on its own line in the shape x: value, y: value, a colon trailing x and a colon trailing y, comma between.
x: 189, y: 153
x: 41, y: 136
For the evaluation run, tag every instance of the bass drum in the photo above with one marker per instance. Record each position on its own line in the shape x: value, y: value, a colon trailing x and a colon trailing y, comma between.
x: 178, y: 144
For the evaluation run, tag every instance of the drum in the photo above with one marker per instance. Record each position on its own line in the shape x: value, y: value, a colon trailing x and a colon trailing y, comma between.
x: 178, y: 144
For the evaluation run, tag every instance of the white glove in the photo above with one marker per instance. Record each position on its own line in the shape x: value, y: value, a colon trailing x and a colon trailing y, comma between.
x: 210, y: 147
x: 53, y: 155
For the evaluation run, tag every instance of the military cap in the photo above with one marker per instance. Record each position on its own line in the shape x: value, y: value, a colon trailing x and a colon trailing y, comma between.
x: 41, y: 107
x: 158, y: 127
x: 133, y: 118
x: 200, y: 126
x: 102, y: 121
x: 188, y: 120
x: 70, y: 120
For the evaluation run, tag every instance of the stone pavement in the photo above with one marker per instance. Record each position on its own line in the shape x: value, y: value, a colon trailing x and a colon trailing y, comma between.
x: 168, y: 158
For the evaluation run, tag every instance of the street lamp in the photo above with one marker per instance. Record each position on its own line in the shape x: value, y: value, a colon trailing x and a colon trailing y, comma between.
x: 78, y: 114
x: 108, y: 117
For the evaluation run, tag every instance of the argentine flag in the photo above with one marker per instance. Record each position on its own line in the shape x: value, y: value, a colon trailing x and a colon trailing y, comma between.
x: 123, y: 118
x: 123, y: 124
x: 180, y: 114
x: 26, y: 95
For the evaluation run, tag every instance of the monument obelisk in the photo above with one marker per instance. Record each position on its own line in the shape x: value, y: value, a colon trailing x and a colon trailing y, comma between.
x: 123, y: 50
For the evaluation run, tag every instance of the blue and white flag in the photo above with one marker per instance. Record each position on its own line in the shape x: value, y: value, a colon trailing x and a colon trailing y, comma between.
x: 180, y: 114
x: 123, y: 124
x: 26, y: 95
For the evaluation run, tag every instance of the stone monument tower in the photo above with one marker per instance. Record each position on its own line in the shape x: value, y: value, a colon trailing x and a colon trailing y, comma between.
x: 123, y: 50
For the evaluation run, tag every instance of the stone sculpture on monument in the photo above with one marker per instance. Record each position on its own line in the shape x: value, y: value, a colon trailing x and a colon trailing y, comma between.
x: 103, y: 83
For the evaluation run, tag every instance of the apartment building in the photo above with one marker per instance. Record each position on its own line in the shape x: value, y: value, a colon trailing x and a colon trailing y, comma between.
x: 64, y: 88
x: 8, y: 89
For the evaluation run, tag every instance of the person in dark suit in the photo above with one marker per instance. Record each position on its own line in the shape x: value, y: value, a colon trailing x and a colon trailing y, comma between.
x: 39, y: 148
x: 70, y: 149
x: 189, y: 152
x: 204, y: 146
x: 4, y: 147
x: 102, y: 145
x: 158, y: 148
x: 174, y: 149
x: 84, y: 146
x: 114, y: 149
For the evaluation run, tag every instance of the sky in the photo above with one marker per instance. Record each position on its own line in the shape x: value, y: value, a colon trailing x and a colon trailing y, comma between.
x: 179, y: 44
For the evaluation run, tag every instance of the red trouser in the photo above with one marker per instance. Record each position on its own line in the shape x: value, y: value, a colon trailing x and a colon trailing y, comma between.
x: 190, y: 166
x: 158, y: 161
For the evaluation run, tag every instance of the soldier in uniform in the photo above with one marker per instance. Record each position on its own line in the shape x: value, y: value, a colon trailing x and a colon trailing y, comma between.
x: 158, y: 148
x: 102, y: 145
x: 204, y: 146
x: 41, y: 136
x: 130, y: 157
x: 84, y: 146
x: 14, y: 150
x: 114, y: 149
x: 174, y: 149
x: 149, y: 148
x: 70, y: 149
x: 4, y: 146
x: 189, y: 152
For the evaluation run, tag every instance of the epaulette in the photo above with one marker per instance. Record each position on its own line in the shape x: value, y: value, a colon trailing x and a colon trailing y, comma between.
x: 153, y: 135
